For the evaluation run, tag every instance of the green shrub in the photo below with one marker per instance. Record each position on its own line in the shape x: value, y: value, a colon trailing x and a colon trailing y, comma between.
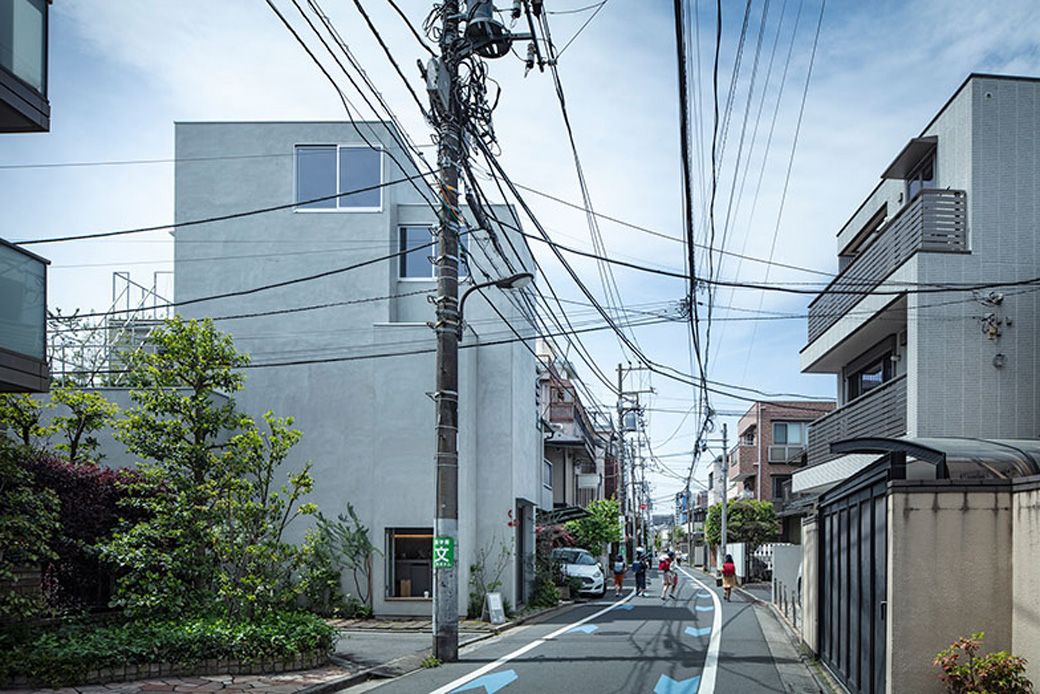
x: 67, y: 654
x: 545, y: 594
x: 994, y: 673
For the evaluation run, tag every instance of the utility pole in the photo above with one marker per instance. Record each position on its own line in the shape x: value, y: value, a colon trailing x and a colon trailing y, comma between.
x: 446, y: 395
x: 725, y: 484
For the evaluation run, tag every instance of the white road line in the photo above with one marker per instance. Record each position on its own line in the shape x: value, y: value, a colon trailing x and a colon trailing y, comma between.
x: 711, y: 660
x: 528, y: 647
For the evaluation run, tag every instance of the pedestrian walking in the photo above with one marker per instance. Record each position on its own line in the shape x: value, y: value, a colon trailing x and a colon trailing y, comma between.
x: 665, y: 566
x: 639, y: 567
x: 619, y: 574
x: 729, y: 576
x: 675, y: 574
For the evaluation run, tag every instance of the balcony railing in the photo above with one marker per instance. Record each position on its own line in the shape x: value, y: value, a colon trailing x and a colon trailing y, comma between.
x: 879, y: 412
x: 935, y: 221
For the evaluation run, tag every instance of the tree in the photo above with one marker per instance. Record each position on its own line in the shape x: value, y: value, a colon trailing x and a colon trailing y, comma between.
x: 747, y: 520
x: 677, y: 534
x: 88, y: 412
x: 208, y: 536
x: 599, y: 527
x: 21, y: 413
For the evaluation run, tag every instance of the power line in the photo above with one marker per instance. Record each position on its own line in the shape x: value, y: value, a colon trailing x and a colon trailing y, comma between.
x: 581, y: 28
x: 217, y: 218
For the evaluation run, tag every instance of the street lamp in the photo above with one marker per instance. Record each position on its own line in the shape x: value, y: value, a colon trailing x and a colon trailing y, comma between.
x: 517, y: 281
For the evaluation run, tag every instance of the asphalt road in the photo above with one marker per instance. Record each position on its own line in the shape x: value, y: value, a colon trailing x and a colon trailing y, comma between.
x: 617, y: 645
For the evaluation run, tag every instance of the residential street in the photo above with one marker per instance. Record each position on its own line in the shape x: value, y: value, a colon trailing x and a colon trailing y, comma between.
x: 628, y: 645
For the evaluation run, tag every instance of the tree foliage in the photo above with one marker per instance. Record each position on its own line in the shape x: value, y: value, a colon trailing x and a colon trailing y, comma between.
x: 747, y: 520
x: 211, y: 507
x: 28, y: 523
x: 89, y: 412
x: 20, y: 415
x: 599, y: 527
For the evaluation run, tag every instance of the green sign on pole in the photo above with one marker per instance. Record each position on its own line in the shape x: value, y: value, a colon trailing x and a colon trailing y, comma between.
x: 443, y: 552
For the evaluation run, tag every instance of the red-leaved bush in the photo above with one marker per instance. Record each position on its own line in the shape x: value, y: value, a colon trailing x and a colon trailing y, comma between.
x: 90, y: 511
x: 965, y: 671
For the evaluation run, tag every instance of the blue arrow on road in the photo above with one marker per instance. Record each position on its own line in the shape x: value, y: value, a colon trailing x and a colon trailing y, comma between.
x: 704, y: 608
x: 584, y: 628
x: 624, y: 607
x: 666, y: 685
x: 690, y: 631
x: 703, y: 594
x: 491, y: 683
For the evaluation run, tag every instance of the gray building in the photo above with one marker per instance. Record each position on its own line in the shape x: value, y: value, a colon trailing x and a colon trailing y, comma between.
x: 367, y: 418
x: 958, y: 206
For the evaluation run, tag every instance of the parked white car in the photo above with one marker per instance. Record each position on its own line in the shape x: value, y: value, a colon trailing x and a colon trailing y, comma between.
x: 581, y: 564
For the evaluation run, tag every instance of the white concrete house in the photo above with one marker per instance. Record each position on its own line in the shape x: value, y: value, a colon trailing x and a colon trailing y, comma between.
x: 367, y: 420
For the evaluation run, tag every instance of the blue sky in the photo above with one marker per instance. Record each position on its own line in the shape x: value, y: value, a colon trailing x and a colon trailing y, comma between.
x: 122, y: 72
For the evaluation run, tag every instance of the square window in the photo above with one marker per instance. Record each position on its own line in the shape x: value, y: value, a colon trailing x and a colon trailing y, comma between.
x: 409, y: 553
x: 316, y: 176
x: 360, y: 167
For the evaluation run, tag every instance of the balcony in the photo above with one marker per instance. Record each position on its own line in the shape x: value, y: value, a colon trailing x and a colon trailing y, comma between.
x: 879, y: 412
x: 569, y: 422
x: 934, y: 221
x: 23, y: 66
x: 23, y: 320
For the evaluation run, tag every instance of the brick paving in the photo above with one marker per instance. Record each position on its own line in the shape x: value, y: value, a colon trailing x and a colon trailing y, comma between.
x: 284, y: 683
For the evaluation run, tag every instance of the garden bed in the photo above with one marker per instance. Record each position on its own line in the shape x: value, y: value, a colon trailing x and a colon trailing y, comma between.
x: 75, y: 654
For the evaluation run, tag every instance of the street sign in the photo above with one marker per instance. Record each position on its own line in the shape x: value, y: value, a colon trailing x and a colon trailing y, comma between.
x: 443, y: 552
x: 495, y: 608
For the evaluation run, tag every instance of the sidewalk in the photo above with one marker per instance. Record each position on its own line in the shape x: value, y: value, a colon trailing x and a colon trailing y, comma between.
x: 284, y: 683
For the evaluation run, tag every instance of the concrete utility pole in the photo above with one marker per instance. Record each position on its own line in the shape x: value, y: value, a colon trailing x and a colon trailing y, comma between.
x: 446, y: 396
x: 725, y: 484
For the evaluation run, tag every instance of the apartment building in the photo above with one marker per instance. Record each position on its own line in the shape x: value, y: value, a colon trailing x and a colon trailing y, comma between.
x: 23, y: 275
x: 349, y: 352
x: 923, y: 522
x: 577, y: 439
x: 957, y: 206
x: 771, y: 441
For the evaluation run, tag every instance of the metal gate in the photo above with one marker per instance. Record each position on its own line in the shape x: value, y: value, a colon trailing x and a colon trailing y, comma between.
x: 852, y: 599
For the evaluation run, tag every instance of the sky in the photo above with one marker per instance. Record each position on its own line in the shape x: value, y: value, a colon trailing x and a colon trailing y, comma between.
x: 122, y: 72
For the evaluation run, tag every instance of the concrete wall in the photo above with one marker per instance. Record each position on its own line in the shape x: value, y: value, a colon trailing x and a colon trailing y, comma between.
x: 809, y: 628
x: 367, y: 423
x: 787, y: 574
x: 1025, y: 609
x: 949, y: 574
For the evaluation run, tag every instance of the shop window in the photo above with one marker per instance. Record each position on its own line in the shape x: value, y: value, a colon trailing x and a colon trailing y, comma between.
x: 409, y: 554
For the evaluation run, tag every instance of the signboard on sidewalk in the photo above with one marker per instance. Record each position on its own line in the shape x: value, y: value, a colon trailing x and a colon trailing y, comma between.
x: 443, y: 552
x: 495, y: 608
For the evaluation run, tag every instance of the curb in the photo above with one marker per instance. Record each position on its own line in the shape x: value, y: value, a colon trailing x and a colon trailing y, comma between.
x: 823, y: 679
x: 381, y: 671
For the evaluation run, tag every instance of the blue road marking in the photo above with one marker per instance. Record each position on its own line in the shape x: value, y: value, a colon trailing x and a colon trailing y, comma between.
x: 703, y: 594
x: 704, y: 608
x: 491, y: 683
x: 584, y: 628
x: 690, y: 631
x: 626, y: 606
x: 666, y: 685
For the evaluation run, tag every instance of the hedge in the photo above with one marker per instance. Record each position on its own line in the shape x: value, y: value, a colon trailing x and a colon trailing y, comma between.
x: 66, y: 655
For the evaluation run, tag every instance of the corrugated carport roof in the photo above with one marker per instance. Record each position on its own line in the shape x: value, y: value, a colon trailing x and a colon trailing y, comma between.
x: 958, y: 458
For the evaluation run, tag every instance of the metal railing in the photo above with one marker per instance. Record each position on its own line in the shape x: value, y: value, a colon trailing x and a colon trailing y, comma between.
x: 879, y: 412
x: 935, y: 221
